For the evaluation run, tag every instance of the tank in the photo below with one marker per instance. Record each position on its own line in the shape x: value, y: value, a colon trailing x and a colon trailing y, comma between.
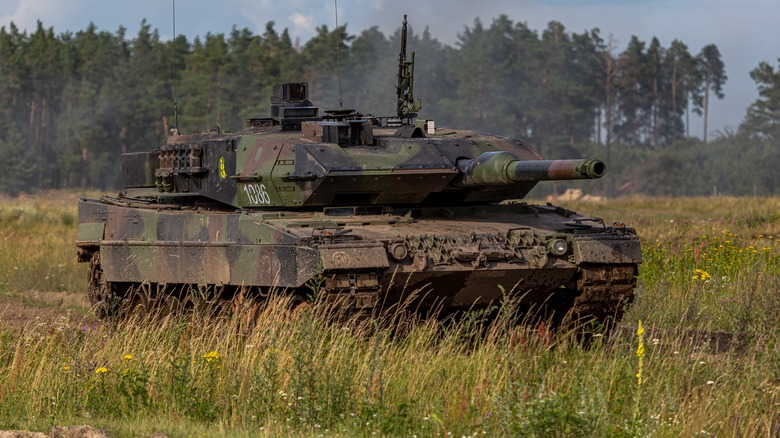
x: 362, y: 212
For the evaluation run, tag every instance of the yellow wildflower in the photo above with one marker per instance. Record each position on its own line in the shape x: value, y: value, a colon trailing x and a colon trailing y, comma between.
x: 211, y: 356
x: 127, y: 358
x: 101, y: 370
x: 702, y: 275
x: 640, y: 351
x: 66, y: 368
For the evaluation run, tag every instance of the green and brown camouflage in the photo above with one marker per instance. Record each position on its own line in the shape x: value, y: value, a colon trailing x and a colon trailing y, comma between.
x: 361, y: 211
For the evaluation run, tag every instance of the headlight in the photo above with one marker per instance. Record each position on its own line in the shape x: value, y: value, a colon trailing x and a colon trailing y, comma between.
x: 558, y: 247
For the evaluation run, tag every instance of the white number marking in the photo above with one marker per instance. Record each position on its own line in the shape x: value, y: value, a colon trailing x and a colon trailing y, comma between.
x: 257, y: 194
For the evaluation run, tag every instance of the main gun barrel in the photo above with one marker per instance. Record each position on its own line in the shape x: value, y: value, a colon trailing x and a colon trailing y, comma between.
x: 503, y: 168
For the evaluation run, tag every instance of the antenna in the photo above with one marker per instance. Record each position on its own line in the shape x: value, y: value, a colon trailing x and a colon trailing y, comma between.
x: 338, y: 51
x: 407, y: 106
x: 173, y: 58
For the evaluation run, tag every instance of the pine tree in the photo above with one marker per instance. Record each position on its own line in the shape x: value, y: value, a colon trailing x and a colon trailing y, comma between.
x: 713, y: 74
x: 680, y: 72
x: 324, y: 55
x: 632, y: 92
x: 656, y: 82
x: 369, y: 75
x: 763, y: 115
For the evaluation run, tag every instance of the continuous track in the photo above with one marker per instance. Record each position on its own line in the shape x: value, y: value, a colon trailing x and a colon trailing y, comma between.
x: 604, y: 292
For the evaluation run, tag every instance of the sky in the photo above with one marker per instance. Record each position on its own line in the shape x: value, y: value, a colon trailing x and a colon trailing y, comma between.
x: 745, y: 31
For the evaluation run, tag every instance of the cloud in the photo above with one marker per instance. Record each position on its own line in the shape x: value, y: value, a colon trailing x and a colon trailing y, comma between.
x: 302, y: 24
x: 8, y: 6
x: 75, y: 15
x: 28, y: 12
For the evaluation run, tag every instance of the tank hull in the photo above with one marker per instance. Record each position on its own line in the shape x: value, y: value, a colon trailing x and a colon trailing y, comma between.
x: 360, y: 259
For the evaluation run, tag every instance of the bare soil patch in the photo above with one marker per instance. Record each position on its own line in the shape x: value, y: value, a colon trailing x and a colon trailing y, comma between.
x: 85, y: 431
x: 19, y: 311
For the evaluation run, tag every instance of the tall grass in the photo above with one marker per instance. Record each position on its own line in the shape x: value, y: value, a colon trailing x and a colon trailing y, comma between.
x: 301, y: 375
x: 37, y: 251
x: 709, y: 263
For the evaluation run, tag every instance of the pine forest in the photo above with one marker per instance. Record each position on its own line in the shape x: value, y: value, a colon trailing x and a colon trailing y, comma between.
x: 71, y: 103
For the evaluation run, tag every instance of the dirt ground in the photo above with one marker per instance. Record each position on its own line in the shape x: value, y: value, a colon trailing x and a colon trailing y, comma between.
x: 24, y: 310
x: 57, y: 432
x: 65, y: 432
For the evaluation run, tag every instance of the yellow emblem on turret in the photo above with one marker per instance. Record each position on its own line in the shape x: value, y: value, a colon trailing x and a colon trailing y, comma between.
x: 222, y: 173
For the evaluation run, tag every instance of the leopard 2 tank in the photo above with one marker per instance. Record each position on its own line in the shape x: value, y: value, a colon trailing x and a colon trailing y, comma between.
x: 362, y: 212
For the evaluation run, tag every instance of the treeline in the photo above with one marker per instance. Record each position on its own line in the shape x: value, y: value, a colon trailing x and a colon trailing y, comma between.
x: 70, y: 103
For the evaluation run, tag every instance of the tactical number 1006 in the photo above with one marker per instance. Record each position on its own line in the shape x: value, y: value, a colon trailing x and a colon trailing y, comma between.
x: 257, y: 194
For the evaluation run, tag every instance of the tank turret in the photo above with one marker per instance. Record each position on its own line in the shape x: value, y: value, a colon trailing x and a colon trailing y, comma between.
x: 309, y: 162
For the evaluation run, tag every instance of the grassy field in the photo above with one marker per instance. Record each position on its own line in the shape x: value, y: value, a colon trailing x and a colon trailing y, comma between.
x: 36, y: 244
x: 711, y: 266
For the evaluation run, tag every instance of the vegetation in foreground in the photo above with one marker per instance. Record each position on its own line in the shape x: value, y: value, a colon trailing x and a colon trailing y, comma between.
x: 710, y: 265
